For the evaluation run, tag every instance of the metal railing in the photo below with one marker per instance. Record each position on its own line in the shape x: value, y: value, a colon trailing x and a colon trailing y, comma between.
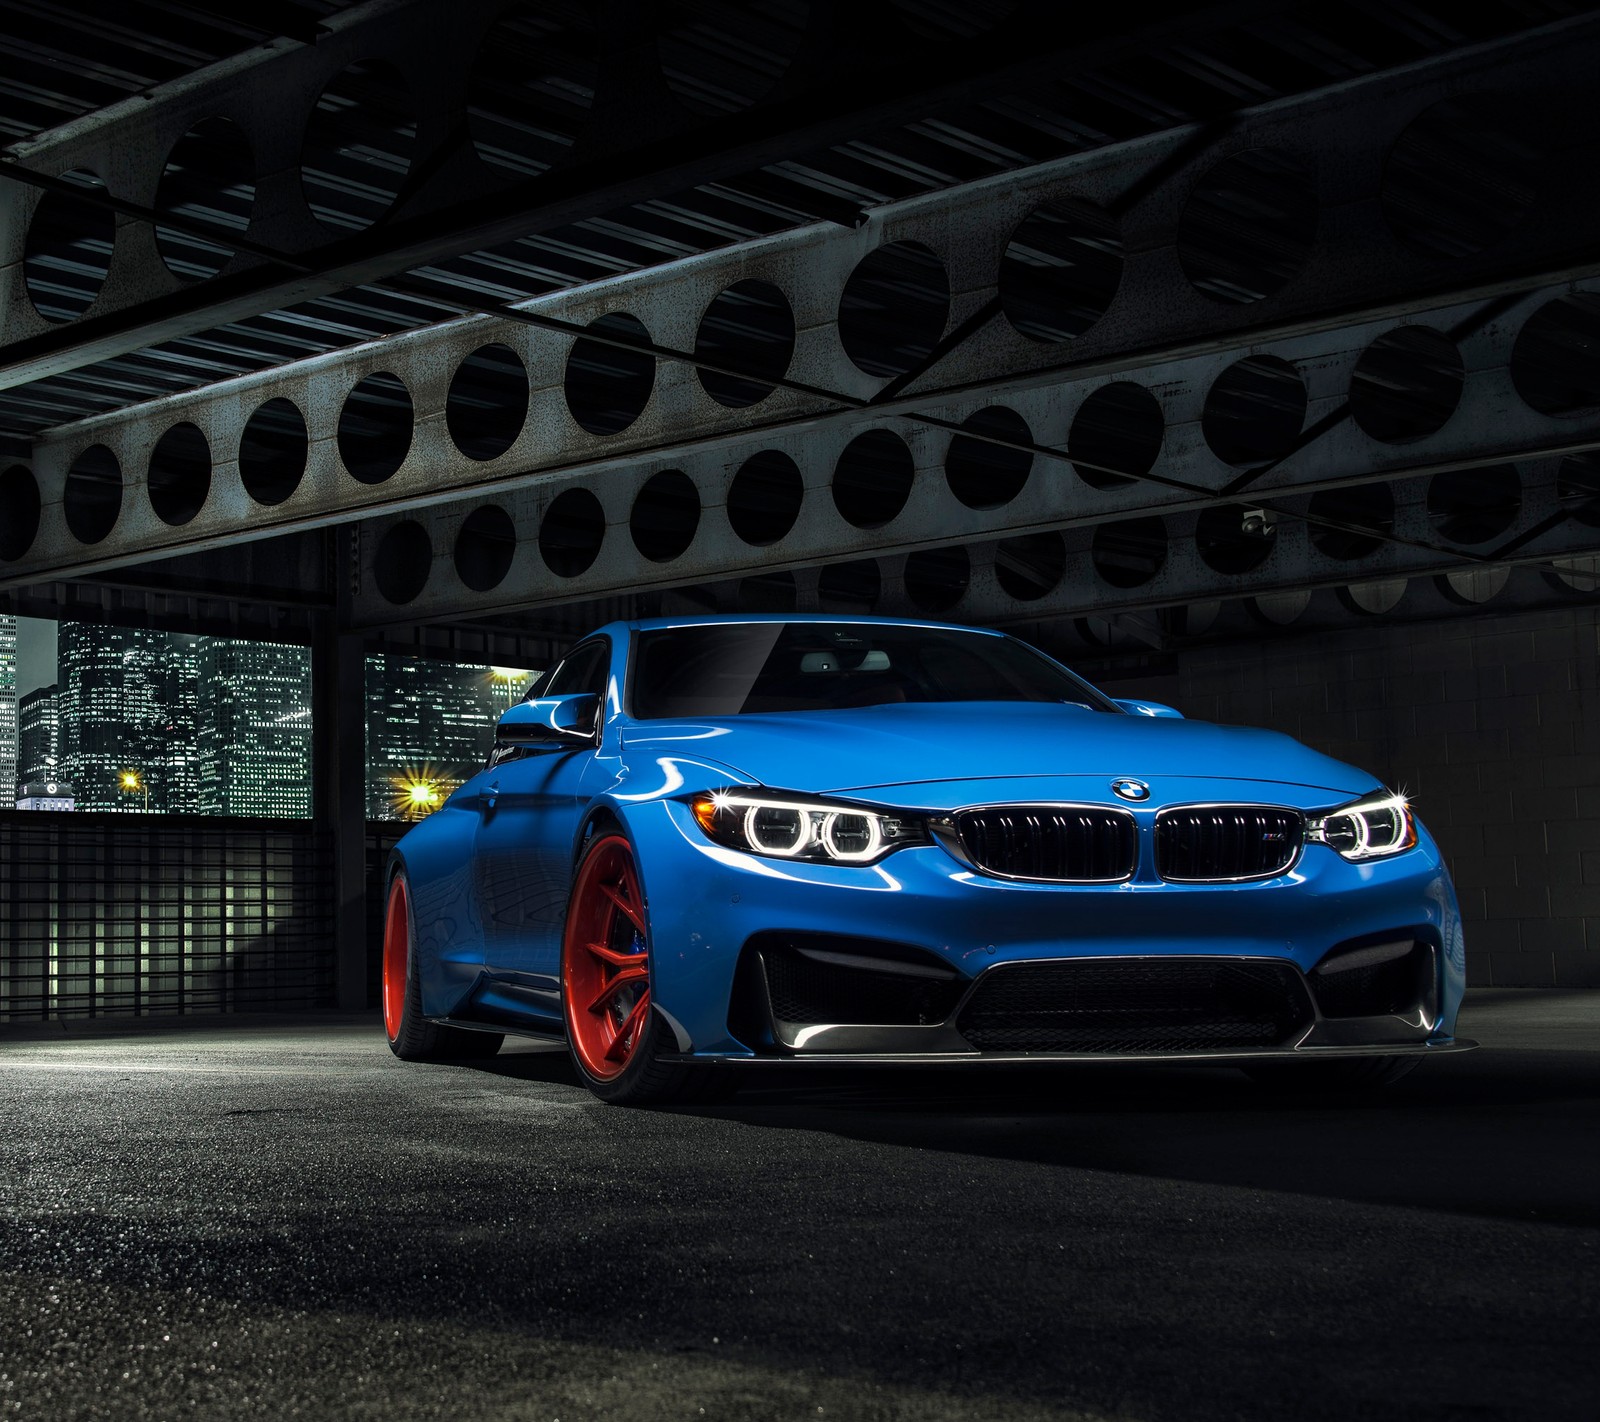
x: 129, y: 915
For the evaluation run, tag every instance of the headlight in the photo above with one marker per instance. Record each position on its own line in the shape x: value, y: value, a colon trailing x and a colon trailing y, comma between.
x: 1372, y: 828
x: 794, y: 827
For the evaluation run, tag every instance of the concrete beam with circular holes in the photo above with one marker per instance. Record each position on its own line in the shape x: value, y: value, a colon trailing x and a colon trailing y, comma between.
x: 1142, y: 270
x: 871, y: 486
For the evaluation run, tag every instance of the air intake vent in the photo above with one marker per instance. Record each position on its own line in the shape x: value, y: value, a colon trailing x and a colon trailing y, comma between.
x: 1226, y: 843
x: 1137, y: 1005
x: 1066, y: 844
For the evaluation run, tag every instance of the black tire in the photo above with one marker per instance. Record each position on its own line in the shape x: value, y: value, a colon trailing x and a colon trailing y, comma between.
x: 644, y: 1078
x: 1341, y: 1074
x: 411, y: 1036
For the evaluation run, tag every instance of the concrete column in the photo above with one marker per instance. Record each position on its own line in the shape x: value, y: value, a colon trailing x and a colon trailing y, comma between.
x: 339, y: 770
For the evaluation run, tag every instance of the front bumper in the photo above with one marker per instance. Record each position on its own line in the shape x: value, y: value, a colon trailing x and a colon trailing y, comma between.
x: 707, y: 906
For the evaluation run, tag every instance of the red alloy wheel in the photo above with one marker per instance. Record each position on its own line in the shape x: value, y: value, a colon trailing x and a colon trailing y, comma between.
x: 396, y: 957
x: 605, y: 961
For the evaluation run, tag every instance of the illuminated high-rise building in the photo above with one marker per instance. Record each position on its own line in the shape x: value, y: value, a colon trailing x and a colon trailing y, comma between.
x: 253, y: 705
x: 126, y: 736
x: 39, y: 737
x: 8, y: 708
x: 429, y: 723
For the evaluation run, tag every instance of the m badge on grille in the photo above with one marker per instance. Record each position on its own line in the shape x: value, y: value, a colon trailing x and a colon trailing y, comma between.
x: 1130, y: 789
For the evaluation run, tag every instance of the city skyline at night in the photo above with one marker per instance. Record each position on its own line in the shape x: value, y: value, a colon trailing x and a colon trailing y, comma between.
x: 140, y: 720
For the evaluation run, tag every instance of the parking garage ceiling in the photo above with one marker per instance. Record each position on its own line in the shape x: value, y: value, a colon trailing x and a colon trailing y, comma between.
x: 511, y: 316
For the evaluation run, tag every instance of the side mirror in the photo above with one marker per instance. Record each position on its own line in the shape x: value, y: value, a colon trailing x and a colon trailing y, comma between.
x: 550, y: 721
x: 1150, y: 708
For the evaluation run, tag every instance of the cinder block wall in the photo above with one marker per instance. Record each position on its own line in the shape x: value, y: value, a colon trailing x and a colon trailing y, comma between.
x: 1492, y: 724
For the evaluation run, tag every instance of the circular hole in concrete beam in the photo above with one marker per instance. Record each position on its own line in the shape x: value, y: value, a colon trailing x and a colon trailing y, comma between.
x: 68, y: 251
x: 1474, y: 505
x: 1349, y: 514
x: 1472, y: 587
x: 850, y: 587
x: 1060, y: 271
x: 1128, y: 553
x: 20, y: 507
x: 571, y: 532
x: 533, y: 86
x: 719, y: 59
x: 272, y: 451
x: 179, y: 476
x: 400, y: 566
x: 768, y: 592
x: 1279, y: 609
x: 488, y: 402
x: 1118, y: 428
x: 1376, y: 598
x: 359, y: 145
x: 375, y: 428
x: 1230, y: 540
x: 1407, y: 384
x: 937, y: 579
x: 1254, y: 412
x: 750, y: 328
x: 1030, y: 565
x: 1578, y: 488
x: 210, y: 177
x: 666, y: 514
x: 1193, y: 619
x: 485, y: 546
x: 93, y: 496
x: 765, y: 497
x: 1575, y: 575
x: 1555, y: 362
x: 873, y: 479
x: 983, y: 475
x: 607, y: 387
x: 1461, y: 174
x: 1100, y: 632
x: 1249, y: 226
x: 894, y: 308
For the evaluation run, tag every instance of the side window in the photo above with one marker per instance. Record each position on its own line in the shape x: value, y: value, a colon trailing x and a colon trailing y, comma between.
x: 584, y: 669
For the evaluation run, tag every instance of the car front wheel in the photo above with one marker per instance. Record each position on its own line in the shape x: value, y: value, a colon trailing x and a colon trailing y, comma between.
x: 615, y: 1034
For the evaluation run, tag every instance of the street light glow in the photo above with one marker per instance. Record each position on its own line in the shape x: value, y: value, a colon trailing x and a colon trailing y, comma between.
x: 418, y: 792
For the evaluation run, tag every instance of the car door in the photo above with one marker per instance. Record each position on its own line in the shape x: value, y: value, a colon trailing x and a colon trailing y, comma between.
x: 527, y: 818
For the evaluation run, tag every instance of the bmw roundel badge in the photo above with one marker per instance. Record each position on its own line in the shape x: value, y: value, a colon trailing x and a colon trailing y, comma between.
x: 1130, y: 789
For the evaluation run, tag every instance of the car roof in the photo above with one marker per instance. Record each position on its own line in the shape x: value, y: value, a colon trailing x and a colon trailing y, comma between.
x: 728, y: 619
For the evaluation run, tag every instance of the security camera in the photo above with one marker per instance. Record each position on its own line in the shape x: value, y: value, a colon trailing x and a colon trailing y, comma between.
x: 1258, y: 523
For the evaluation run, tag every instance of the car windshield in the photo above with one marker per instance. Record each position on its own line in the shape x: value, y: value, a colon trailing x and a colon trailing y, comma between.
x: 732, y: 669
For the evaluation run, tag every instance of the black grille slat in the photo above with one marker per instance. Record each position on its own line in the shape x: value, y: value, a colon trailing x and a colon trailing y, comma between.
x: 1050, y: 843
x: 1210, y: 843
x: 1136, y: 1005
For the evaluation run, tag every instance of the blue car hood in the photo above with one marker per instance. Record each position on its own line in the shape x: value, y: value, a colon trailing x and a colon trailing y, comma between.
x: 878, y: 747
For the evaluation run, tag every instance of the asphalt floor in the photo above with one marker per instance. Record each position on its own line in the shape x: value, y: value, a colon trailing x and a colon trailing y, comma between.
x: 277, y: 1219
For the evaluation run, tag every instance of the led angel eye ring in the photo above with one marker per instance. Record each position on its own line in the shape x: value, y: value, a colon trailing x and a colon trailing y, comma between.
x: 801, y: 838
x: 874, y: 836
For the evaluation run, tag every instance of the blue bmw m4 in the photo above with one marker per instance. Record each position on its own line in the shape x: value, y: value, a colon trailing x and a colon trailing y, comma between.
x: 726, y: 840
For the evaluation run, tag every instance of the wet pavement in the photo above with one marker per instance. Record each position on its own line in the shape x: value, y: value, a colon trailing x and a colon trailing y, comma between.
x: 280, y: 1220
